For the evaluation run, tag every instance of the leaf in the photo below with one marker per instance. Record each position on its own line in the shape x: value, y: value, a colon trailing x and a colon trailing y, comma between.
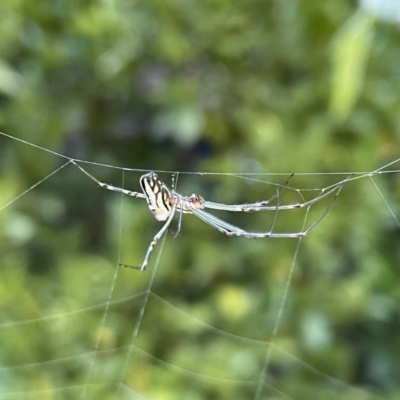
x: 351, y: 49
x: 10, y: 81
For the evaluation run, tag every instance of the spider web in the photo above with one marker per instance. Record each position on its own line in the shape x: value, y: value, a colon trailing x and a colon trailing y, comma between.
x: 246, y: 347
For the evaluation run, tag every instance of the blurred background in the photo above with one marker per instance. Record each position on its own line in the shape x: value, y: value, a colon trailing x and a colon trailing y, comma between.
x: 265, y: 87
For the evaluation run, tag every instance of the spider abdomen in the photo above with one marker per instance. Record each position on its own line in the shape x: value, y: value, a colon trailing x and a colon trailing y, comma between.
x: 158, y: 196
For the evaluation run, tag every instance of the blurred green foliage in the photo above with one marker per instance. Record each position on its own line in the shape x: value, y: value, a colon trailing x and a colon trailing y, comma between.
x: 212, y: 86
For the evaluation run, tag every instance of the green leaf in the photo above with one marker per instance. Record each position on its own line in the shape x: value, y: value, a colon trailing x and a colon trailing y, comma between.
x: 351, y: 48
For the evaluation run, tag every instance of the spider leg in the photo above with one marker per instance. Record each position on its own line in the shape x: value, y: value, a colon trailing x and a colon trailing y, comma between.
x: 175, y: 177
x: 153, y: 243
x: 217, y: 223
x: 337, y: 190
x: 262, y: 205
x: 110, y: 187
x: 180, y: 218
x: 174, y: 182
x: 232, y: 230
x: 276, y: 211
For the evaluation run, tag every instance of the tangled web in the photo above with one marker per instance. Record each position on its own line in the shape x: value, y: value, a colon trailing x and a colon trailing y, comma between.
x: 212, y: 316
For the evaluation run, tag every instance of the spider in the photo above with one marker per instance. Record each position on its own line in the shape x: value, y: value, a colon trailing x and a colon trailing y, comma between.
x: 164, y: 202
